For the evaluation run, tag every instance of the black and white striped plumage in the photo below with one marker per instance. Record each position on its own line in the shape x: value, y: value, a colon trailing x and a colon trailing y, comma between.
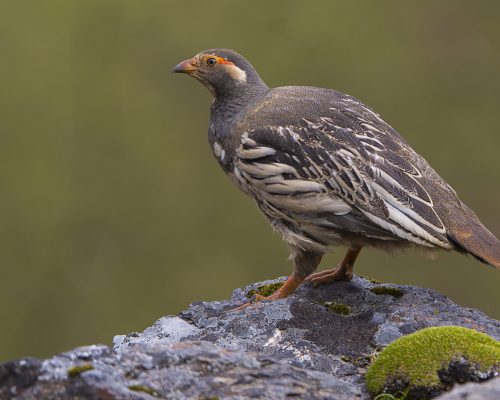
x: 327, y: 176
x: 327, y: 170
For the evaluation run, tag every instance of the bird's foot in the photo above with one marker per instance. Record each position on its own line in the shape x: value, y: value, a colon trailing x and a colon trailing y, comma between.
x: 341, y: 273
x: 242, y: 307
x: 284, y: 291
x: 256, y: 298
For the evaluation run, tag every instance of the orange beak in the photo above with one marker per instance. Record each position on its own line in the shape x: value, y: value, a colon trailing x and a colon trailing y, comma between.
x: 186, y: 66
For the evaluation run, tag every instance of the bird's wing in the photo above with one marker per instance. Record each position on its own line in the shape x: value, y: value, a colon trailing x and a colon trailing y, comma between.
x: 359, y: 172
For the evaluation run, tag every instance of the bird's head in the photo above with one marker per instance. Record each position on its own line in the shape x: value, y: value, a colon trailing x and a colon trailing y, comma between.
x: 224, y: 72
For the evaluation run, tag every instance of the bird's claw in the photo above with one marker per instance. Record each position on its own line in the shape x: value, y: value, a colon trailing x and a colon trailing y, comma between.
x: 330, y: 275
x: 256, y: 298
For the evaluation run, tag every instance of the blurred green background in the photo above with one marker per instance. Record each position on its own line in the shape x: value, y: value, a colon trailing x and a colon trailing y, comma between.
x: 113, y: 212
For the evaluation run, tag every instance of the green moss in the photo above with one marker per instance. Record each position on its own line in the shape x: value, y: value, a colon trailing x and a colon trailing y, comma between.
x: 265, y: 290
x: 145, y: 389
x: 371, y: 280
x: 339, y: 308
x: 417, y: 358
x: 78, y: 369
x: 394, y: 292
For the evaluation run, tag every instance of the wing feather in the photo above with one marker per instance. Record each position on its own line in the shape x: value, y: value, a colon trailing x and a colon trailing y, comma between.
x: 324, y: 167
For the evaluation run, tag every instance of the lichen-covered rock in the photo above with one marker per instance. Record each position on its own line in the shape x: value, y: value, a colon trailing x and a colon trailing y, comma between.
x: 303, y: 331
x: 432, y: 360
x: 185, y: 370
x: 316, y: 344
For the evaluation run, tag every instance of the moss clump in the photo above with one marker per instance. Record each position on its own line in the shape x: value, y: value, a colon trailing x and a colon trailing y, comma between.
x: 394, y: 292
x: 145, y: 389
x: 78, y: 369
x: 338, y: 308
x: 371, y: 280
x: 416, y: 360
x: 265, y: 290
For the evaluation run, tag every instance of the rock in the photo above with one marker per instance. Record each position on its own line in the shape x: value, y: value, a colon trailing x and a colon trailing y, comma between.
x: 299, y: 346
x: 472, y: 391
x: 183, y: 370
x: 430, y: 361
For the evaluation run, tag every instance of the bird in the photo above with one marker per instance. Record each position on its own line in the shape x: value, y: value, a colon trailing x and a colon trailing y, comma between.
x: 327, y: 170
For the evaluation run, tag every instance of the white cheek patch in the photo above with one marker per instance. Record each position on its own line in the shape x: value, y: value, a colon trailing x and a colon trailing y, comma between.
x: 236, y: 73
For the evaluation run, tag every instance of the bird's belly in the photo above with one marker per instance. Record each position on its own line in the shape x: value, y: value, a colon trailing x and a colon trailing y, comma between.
x: 321, y: 232
x: 304, y: 231
x: 309, y: 218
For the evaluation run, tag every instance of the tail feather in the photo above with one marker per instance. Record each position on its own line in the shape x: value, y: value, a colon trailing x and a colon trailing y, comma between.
x: 470, y: 236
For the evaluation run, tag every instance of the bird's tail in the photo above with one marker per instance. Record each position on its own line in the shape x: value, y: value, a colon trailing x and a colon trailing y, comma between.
x: 470, y: 236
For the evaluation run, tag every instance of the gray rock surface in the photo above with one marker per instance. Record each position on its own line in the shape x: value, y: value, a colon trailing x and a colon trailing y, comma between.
x: 489, y: 390
x: 295, y: 347
x: 171, y: 371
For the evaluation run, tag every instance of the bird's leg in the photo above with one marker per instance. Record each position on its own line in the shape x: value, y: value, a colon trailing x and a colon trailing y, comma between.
x: 286, y: 289
x: 343, y: 272
x: 305, y: 262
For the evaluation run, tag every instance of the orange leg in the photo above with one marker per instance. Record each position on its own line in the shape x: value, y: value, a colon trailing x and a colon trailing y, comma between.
x: 288, y: 288
x: 284, y: 291
x: 343, y: 272
x: 305, y: 262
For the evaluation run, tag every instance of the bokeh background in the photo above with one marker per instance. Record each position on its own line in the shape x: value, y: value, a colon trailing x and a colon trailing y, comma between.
x: 113, y: 212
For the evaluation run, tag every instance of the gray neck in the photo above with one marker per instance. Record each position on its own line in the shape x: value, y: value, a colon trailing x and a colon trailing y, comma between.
x: 227, y: 105
x: 237, y: 100
x: 234, y: 95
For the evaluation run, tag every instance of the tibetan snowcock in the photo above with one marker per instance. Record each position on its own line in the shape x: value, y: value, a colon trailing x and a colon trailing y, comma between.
x: 326, y: 170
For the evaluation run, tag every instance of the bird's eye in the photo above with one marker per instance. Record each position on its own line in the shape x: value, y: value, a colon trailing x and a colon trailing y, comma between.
x: 211, y: 61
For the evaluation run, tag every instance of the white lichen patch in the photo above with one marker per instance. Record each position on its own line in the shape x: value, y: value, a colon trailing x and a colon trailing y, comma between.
x: 275, y: 339
x: 165, y: 330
